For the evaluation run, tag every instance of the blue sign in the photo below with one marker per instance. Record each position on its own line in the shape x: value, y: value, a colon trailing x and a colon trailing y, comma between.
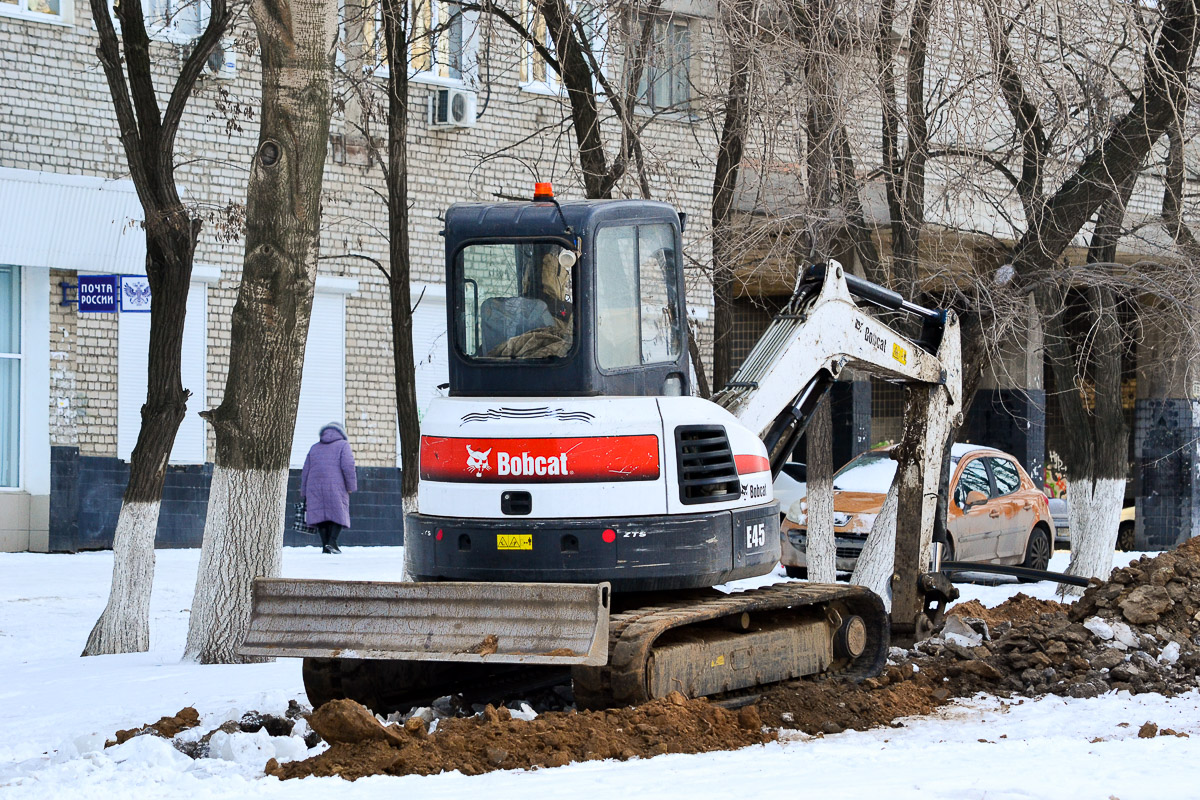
x: 97, y: 293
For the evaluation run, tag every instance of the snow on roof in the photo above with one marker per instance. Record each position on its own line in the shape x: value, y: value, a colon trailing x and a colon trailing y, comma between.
x: 958, y: 450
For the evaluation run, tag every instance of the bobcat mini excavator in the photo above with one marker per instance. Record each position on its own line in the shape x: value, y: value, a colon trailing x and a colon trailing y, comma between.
x: 577, y: 504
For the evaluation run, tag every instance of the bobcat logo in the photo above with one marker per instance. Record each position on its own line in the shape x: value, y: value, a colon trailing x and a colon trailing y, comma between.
x: 477, y: 462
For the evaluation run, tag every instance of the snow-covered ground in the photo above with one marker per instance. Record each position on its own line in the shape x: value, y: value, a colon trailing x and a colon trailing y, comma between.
x: 54, y: 704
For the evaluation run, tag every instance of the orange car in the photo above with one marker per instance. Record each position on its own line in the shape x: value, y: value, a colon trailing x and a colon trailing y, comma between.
x: 995, y: 515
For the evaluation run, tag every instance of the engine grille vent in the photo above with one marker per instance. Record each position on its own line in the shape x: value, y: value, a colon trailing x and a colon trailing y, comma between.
x: 707, y: 472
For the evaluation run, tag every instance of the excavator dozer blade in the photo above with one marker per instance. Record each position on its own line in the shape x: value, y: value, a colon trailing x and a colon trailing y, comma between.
x: 518, y: 623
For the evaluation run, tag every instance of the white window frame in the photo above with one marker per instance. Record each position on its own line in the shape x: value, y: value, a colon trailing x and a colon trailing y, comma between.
x: 531, y: 61
x: 374, y: 49
x: 22, y: 399
x: 646, y: 104
x: 21, y: 10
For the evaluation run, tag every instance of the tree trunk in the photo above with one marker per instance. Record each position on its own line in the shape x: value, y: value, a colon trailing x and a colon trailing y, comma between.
x: 875, y: 562
x: 821, y: 550
x: 725, y: 180
x: 124, y: 625
x: 1097, y: 442
x: 148, y: 139
x: 243, y: 534
x: 580, y: 83
x: 399, y: 261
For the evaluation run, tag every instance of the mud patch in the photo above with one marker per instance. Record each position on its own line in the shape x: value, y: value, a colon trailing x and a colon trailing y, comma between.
x: 496, y: 740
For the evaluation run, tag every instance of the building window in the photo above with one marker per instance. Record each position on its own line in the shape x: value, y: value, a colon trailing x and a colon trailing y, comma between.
x: 175, y: 20
x: 43, y: 10
x: 133, y: 354
x: 323, y: 383
x: 665, y: 81
x: 10, y: 376
x: 535, y: 73
x: 436, y: 49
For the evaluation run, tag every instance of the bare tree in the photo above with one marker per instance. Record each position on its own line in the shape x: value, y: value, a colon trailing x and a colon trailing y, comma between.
x: 567, y: 40
x: 1097, y: 188
x: 395, y: 31
x: 243, y: 533
x: 148, y: 135
x: 740, y: 41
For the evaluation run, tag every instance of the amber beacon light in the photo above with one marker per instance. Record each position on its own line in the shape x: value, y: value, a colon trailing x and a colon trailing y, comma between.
x: 543, y: 191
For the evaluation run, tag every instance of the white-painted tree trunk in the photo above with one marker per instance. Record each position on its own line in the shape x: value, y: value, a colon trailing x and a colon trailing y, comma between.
x: 877, y: 560
x: 408, y: 505
x: 821, y: 549
x: 243, y: 541
x: 124, y: 625
x: 1094, y: 507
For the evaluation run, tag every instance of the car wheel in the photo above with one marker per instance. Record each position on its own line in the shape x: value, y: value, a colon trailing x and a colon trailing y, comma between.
x: 1125, y: 533
x: 796, y: 572
x: 1037, y: 551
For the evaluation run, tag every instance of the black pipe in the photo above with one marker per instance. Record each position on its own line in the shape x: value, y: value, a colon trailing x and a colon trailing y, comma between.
x: 1016, y: 572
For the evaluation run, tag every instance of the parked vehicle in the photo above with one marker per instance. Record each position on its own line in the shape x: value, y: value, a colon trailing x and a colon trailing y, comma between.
x: 1062, y: 522
x: 996, y: 515
x: 1062, y: 525
x: 790, y: 485
x: 1126, y: 533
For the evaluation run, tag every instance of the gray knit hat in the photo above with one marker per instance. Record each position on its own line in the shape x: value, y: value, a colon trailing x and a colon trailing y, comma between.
x: 337, y: 426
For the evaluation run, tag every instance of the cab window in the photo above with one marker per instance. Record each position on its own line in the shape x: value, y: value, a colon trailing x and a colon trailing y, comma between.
x: 637, y: 283
x: 516, y: 301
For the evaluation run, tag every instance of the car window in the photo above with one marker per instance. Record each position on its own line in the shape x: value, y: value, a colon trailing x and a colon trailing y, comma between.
x: 870, y: 472
x: 973, y: 478
x: 1008, y: 480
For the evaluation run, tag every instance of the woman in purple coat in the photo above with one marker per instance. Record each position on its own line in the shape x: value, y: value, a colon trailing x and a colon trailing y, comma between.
x: 326, y: 483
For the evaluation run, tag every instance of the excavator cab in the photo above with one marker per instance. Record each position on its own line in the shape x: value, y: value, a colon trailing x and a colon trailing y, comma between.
x: 573, y: 299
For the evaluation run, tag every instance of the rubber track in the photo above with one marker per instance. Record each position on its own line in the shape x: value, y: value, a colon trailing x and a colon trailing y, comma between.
x: 632, y: 635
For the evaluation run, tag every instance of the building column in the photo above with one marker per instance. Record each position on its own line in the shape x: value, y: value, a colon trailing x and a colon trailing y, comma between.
x: 850, y: 403
x: 1009, y: 411
x: 1166, y: 427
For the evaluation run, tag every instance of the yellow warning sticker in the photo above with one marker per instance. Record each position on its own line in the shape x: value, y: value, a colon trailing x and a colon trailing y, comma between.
x: 514, y: 541
x: 899, y: 353
x: 719, y: 661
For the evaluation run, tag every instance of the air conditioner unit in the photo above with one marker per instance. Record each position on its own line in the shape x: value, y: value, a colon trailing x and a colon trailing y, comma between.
x: 451, y: 108
x: 222, y: 61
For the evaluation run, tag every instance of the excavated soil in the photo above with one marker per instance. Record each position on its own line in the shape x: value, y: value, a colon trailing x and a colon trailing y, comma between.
x: 1018, y: 608
x: 361, y: 746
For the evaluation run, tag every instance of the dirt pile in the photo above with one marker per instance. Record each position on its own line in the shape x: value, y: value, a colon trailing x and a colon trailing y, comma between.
x: 1018, y: 608
x: 361, y: 746
x: 829, y: 706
